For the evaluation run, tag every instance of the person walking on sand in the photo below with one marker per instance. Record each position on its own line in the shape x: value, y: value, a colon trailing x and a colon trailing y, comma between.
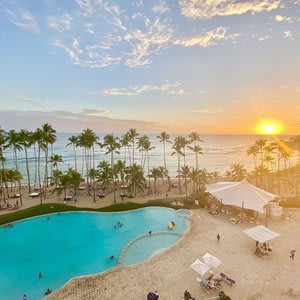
x: 218, y: 237
x: 293, y: 252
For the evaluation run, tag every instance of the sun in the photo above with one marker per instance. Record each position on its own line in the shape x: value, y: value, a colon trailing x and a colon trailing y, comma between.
x: 269, y: 127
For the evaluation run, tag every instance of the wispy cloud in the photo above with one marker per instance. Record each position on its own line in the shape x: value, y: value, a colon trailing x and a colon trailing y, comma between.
x: 89, y: 56
x: 209, y: 38
x: 22, y: 19
x: 280, y: 18
x: 148, y: 42
x: 61, y: 24
x: 264, y: 38
x: 206, y: 9
x: 86, y: 6
x: 32, y: 103
x: 288, y: 34
x: 160, y: 7
x: 169, y: 88
x: 206, y: 110
x: 96, y: 112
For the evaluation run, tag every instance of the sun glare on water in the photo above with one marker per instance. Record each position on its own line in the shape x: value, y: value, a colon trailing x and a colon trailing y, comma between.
x: 269, y: 127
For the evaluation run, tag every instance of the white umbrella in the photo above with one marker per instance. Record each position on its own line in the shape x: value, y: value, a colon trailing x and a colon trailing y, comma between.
x: 241, y: 194
x: 200, y: 267
x: 261, y: 233
x: 211, y: 260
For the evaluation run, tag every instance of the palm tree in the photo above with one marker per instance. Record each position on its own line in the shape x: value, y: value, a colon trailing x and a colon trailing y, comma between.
x: 120, y: 169
x: 295, y: 141
x: 93, y: 174
x: 132, y: 135
x: 194, y: 175
x: 55, y: 159
x: 112, y: 146
x: 185, y: 171
x: 124, y: 141
x: 26, y: 140
x: 215, y: 175
x: 105, y: 173
x: 48, y: 137
x: 3, y: 139
x: 74, y: 142
x: 260, y: 144
x: 177, y: 146
x: 56, y: 177
x: 195, y: 137
x: 75, y: 179
x: 87, y: 141
x: 38, y: 139
x: 155, y: 173
x: 13, y: 142
x: 145, y: 146
x: 14, y: 176
x: 238, y: 172
x: 253, y: 150
x: 135, y: 178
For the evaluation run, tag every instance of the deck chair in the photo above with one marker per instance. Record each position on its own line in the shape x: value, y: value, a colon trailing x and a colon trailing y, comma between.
x: 205, y: 286
x: 227, y: 279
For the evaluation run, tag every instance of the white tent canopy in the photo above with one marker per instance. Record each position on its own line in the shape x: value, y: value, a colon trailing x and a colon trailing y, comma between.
x: 241, y: 194
x: 200, y: 267
x: 261, y: 233
x: 211, y: 260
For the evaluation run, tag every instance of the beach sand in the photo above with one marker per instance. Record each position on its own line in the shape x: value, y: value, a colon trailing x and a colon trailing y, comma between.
x: 272, y: 277
x: 169, y: 272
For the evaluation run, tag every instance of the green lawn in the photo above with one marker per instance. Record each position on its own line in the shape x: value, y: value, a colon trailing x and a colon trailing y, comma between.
x: 56, y: 207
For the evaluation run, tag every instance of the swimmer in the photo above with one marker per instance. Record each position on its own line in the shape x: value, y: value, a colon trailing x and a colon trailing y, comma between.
x: 48, y: 291
x: 24, y: 297
x: 150, y: 232
x: 112, y: 257
x: 40, y: 275
x: 48, y: 218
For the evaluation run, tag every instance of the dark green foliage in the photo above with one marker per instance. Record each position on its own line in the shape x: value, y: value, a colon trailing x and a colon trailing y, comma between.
x: 201, y: 196
x: 56, y: 207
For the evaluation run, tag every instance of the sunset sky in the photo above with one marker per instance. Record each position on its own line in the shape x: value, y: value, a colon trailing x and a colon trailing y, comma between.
x: 214, y: 66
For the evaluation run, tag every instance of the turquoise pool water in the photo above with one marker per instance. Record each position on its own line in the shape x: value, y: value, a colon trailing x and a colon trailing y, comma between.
x: 147, y: 246
x: 72, y: 244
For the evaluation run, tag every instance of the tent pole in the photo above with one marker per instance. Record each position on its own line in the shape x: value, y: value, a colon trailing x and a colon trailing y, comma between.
x: 242, y: 212
x: 266, y: 221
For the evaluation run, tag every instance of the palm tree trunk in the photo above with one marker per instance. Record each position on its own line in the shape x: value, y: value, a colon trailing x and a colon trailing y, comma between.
x: 19, y: 181
x: 39, y: 174
x: 27, y: 169
x: 74, y: 148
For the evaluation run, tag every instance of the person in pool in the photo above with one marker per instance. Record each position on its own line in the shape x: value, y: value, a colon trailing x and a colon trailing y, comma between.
x: 48, y: 291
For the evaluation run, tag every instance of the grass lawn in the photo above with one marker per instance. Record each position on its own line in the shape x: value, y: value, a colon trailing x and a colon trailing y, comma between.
x: 57, y: 207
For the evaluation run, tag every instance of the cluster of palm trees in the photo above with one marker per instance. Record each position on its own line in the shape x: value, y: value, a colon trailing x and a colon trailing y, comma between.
x: 272, y: 164
x: 133, y: 170
x: 41, y: 140
x: 130, y: 170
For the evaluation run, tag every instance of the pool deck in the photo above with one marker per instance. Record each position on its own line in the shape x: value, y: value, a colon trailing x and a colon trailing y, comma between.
x: 274, y: 277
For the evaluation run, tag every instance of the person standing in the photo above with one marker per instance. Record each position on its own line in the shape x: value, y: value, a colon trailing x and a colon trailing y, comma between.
x: 218, y: 237
x: 293, y: 252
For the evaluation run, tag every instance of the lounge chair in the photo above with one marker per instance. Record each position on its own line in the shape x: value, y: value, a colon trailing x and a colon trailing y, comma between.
x: 227, y: 279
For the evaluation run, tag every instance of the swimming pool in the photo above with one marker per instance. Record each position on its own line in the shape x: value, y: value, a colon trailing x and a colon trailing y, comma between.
x: 73, y: 244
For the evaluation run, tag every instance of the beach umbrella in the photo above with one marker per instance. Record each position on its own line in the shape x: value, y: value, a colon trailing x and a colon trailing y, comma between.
x: 200, y: 267
x: 211, y: 260
x: 261, y: 233
x: 241, y: 194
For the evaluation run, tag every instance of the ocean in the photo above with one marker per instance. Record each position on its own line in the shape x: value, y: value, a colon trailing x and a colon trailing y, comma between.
x: 219, y: 153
